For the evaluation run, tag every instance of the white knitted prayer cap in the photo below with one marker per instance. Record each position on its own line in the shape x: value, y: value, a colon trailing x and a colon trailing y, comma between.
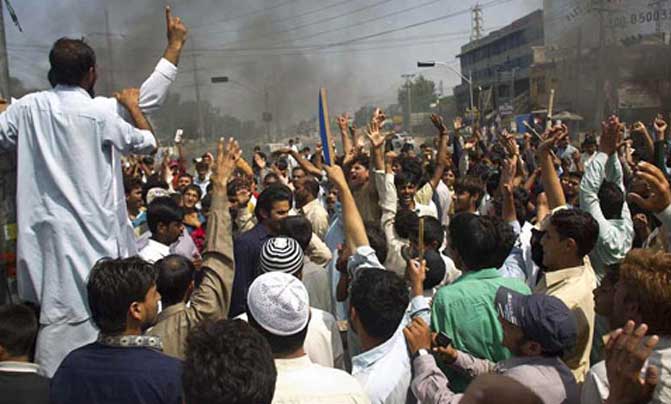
x: 279, y: 303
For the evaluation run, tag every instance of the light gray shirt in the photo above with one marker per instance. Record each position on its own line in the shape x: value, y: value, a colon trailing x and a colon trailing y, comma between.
x: 549, y: 378
x: 70, y: 197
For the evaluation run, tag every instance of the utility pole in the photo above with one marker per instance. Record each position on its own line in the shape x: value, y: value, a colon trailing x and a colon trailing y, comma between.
x: 408, y: 86
x: 199, y: 111
x: 111, y: 86
x: 477, y: 28
x: 512, y: 88
x: 266, y: 108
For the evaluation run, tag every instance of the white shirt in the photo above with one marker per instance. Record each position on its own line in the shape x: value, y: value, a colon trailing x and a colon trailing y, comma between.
x: 322, y: 343
x: 70, y: 197
x: 300, y: 380
x: 154, y: 251
x: 445, y: 199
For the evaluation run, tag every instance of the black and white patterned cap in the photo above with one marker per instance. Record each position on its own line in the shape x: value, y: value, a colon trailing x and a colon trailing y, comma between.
x: 281, y: 254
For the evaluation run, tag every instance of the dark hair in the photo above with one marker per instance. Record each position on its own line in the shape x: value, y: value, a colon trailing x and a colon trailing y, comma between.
x: 282, y: 164
x: 471, y: 184
x: 293, y: 170
x: 611, y: 199
x: 404, y: 222
x: 578, y: 225
x: 18, y: 329
x: 402, y: 179
x: 70, y: 60
x: 482, y: 241
x: 206, y: 202
x: 433, y: 231
x: 281, y: 345
x: 412, y: 168
x: 131, y: 183
x: 228, y: 362
x: 164, y: 210
x: 113, y: 285
x: 380, y: 299
x: 377, y: 240
x: 297, y: 227
x: 361, y: 159
x: 311, y: 185
x: 521, y: 200
x: 175, y: 274
x: 271, y: 175
x: 194, y: 187
x: 270, y: 195
x: 182, y: 175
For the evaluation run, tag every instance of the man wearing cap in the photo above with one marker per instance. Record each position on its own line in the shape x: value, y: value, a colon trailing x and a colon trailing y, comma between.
x: 279, y: 308
x: 322, y: 343
x: 537, y: 329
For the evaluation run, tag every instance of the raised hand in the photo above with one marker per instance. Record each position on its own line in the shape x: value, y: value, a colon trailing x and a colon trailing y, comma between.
x: 510, y: 144
x: 626, y: 354
x: 343, y: 122
x: 418, y: 335
x: 374, y: 134
x: 611, y: 133
x: 508, y: 170
x: 659, y: 196
x: 378, y: 117
x: 260, y: 162
x: 660, y: 127
x: 176, y: 30
x: 336, y: 175
x: 225, y: 164
x: 129, y: 98
x: 438, y: 122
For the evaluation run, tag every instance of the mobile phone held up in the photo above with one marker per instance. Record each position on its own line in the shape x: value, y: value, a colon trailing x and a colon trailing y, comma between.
x: 443, y: 340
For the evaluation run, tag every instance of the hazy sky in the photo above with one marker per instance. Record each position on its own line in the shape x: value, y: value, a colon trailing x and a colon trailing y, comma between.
x: 291, y: 46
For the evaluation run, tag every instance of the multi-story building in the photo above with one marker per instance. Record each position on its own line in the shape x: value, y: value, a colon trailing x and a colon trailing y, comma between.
x: 500, y: 66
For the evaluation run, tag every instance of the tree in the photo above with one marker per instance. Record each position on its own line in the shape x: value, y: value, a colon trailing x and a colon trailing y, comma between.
x: 422, y: 93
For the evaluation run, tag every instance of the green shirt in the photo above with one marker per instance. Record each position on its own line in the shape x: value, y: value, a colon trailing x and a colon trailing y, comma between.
x: 465, y: 311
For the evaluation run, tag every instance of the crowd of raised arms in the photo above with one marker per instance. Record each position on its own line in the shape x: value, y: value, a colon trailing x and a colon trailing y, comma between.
x: 480, y: 267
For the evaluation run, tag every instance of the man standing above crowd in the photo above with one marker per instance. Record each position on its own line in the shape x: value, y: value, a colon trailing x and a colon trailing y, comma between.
x: 72, y: 208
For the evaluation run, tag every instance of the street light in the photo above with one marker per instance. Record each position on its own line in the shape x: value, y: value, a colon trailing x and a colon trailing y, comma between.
x: 468, y: 80
x: 266, y: 116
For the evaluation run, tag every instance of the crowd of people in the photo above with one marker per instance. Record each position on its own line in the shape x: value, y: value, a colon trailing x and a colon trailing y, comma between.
x: 480, y: 267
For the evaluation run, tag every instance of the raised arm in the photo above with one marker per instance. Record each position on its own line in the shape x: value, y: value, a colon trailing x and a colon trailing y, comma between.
x: 355, y: 231
x: 347, y: 145
x: 549, y: 177
x: 213, y: 297
x: 377, y: 139
x: 443, y: 134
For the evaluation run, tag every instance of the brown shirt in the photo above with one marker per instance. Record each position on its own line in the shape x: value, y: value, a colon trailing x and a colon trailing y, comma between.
x: 213, y: 297
x: 367, y: 201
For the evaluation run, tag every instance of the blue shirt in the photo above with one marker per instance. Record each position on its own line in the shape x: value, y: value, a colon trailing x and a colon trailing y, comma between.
x: 247, y: 250
x: 96, y: 373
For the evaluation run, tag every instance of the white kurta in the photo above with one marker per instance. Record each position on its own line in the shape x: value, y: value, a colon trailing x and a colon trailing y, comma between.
x: 71, y: 205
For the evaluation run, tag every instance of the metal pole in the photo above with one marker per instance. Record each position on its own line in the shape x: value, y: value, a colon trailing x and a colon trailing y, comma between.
x: 409, y: 106
x: 265, y: 89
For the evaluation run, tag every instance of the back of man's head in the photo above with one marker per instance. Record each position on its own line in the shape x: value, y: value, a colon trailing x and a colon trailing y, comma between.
x: 611, y: 199
x: 297, y: 227
x: 228, y: 362
x: 380, y: 299
x: 71, y: 60
x: 498, y: 389
x: 434, y: 235
x: 113, y: 285
x: 482, y: 242
x: 377, y: 240
x: 273, y: 193
x: 18, y: 331
x: 578, y: 225
x: 278, y: 306
x: 175, y: 276
x: 164, y: 210
x: 646, y: 275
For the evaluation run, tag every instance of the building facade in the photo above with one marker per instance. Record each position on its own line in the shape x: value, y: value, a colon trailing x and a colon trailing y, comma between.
x: 500, y: 65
